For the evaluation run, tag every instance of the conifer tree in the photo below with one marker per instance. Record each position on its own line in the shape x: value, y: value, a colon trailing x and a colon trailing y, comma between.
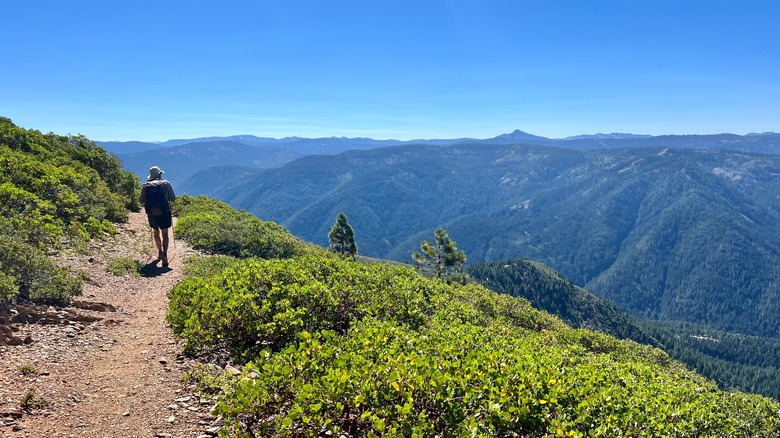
x: 442, y: 255
x: 342, y: 237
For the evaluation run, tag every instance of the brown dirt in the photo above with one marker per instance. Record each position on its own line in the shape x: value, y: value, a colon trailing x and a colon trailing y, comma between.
x: 108, y: 365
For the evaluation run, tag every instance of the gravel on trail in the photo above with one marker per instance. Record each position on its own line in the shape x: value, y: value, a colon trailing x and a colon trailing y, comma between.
x: 107, y: 365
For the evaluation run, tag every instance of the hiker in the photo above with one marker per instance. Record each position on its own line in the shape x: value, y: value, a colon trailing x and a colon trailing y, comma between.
x: 156, y: 197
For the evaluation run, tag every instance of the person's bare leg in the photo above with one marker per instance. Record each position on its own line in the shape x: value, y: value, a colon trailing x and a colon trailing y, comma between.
x: 159, y: 242
x: 165, y: 246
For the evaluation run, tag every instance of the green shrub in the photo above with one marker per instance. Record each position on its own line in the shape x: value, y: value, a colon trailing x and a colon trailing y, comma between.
x: 383, y: 379
x: 30, y: 402
x: 257, y: 304
x: 124, y: 266
x: 207, y: 266
x: 60, y: 186
x: 28, y: 369
x: 216, y: 228
x: 54, y: 190
x: 207, y: 379
x: 30, y: 273
x: 9, y: 287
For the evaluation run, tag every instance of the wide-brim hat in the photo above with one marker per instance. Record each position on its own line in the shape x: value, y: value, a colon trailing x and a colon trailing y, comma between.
x: 155, y: 172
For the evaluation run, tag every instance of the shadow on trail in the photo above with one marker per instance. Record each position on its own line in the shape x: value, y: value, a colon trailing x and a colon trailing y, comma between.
x: 152, y: 270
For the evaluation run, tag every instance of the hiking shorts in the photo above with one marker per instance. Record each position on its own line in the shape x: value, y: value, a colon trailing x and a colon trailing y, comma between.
x: 160, y: 222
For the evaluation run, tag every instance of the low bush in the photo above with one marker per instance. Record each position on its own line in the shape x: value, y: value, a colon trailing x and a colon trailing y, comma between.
x: 29, y: 275
x: 383, y: 379
x: 207, y: 266
x: 124, y: 266
x: 29, y: 402
x: 214, y: 227
x: 262, y: 304
x: 55, y: 191
x: 28, y: 369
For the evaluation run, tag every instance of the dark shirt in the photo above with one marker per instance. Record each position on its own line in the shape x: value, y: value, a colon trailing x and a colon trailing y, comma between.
x: 165, y: 185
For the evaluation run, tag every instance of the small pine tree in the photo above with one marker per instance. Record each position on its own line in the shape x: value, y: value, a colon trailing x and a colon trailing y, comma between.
x: 443, y: 255
x: 342, y: 237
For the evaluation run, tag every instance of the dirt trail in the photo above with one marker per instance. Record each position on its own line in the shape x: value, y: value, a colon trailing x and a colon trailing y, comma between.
x: 104, y: 373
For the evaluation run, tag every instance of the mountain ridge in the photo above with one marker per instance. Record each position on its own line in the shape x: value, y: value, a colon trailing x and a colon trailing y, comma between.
x: 270, y: 152
x: 516, y: 135
x: 629, y: 224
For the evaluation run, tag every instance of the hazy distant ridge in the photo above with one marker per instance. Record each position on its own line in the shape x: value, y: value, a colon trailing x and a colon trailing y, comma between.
x: 263, y: 152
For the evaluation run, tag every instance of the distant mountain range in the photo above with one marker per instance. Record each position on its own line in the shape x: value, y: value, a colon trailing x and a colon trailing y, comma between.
x: 181, y: 161
x: 201, y: 153
x: 668, y: 227
x: 665, y: 233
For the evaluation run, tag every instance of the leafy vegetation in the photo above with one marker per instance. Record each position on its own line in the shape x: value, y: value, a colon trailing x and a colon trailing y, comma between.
x: 217, y: 228
x: 28, y: 369
x: 334, y: 346
x: 29, y: 401
x: 54, y: 186
x: 54, y: 190
x: 263, y: 304
x: 29, y: 275
x: 734, y: 361
x: 207, y: 266
x: 124, y: 266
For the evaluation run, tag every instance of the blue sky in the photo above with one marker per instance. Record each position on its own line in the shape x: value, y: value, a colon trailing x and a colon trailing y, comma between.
x: 157, y: 70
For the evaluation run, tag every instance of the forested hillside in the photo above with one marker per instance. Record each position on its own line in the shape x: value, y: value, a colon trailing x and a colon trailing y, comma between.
x: 54, y: 190
x: 665, y: 233
x: 331, y: 346
x: 547, y: 291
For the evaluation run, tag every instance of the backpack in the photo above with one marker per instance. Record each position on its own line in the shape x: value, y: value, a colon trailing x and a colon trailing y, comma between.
x: 156, y: 201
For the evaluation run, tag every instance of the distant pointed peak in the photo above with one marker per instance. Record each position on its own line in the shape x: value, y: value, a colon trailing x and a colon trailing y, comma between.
x: 519, y: 135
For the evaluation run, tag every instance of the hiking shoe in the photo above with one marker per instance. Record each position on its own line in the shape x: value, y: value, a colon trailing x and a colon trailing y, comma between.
x: 164, y: 258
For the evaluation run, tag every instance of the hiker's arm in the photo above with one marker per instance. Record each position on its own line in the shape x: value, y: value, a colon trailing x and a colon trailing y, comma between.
x: 171, y: 195
x: 142, y: 197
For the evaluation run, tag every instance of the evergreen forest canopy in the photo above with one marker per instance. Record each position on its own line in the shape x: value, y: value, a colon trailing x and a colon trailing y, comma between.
x: 333, y: 346
x: 674, y: 234
x: 54, y: 190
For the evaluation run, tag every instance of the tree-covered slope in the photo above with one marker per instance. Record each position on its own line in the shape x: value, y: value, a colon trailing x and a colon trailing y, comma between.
x: 735, y: 361
x: 548, y: 291
x: 396, y: 192
x: 662, y: 237
x: 664, y: 233
x: 332, y: 346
